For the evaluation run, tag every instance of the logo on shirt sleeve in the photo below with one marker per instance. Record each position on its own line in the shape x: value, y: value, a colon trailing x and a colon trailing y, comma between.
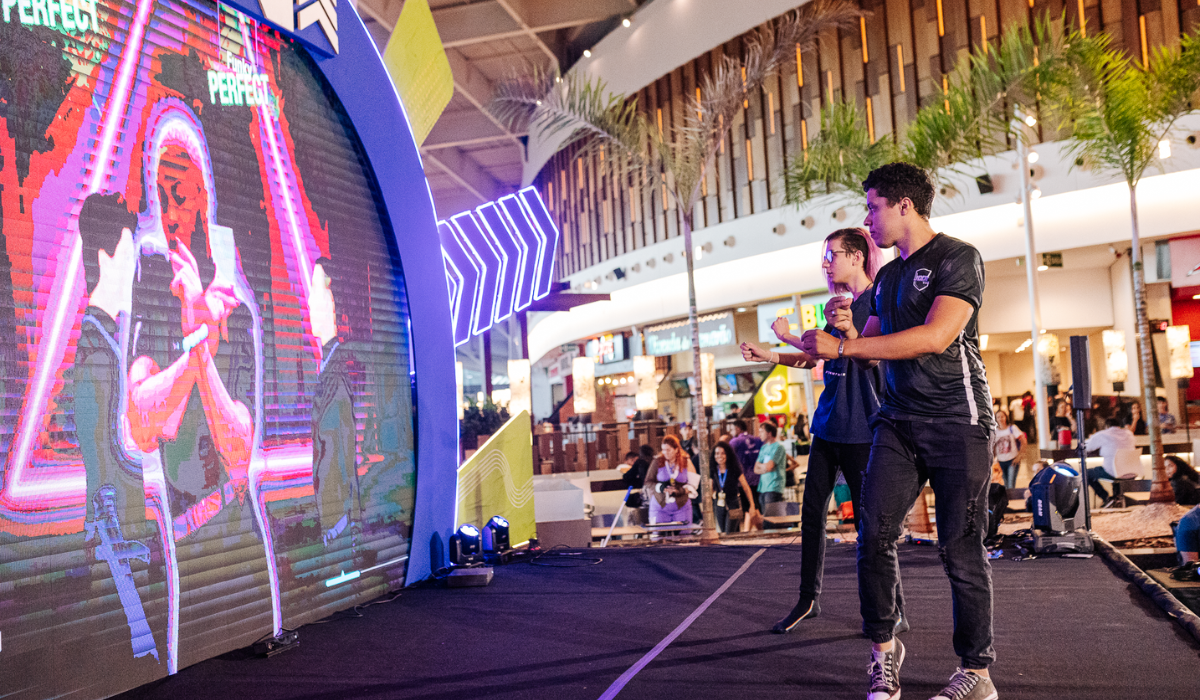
x: 921, y: 279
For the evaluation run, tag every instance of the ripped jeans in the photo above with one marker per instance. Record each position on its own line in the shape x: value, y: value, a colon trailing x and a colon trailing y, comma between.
x: 956, y: 461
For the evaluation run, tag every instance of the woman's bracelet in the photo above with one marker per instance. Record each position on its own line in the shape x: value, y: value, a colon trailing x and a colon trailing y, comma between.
x: 774, y: 358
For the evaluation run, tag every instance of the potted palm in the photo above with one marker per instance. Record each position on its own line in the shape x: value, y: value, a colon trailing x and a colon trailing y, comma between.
x: 1119, y: 111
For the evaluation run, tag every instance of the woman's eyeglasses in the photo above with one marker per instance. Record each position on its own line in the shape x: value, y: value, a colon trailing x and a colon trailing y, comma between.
x: 829, y: 255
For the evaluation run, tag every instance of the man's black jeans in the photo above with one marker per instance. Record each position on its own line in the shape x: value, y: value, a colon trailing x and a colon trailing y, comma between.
x: 956, y: 461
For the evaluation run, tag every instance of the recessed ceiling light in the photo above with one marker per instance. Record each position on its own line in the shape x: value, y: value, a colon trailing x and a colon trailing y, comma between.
x: 587, y: 53
x: 626, y: 23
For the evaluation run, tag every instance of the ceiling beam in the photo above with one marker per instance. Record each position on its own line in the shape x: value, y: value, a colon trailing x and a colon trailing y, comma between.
x: 507, y: 5
x: 480, y: 22
x: 467, y: 173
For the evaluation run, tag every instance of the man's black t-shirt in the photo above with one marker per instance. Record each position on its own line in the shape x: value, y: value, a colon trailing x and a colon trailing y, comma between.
x: 951, y: 386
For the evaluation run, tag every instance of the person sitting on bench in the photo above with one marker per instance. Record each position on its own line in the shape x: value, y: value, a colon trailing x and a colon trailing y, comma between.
x: 1117, y: 436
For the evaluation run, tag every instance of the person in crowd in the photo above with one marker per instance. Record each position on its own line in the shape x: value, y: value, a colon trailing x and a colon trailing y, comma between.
x: 771, y: 468
x: 841, y: 441
x: 1008, y: 442
x: 667, y: 479
x: 934, y: 424
x: 800, y: 429
x: 1187, y: 544
x: 1061, y: 420
x: 1101, y: 412
x: 1166, y: 419
x: 731, y: 493
x: 1136, y: 420
x: 1116, y: 436
x: 687, y: 440
x: 1027, y: 421
x: 746, y: 447
x: 997, y: 501
x: 633, y: 474
x: 1185, y: 481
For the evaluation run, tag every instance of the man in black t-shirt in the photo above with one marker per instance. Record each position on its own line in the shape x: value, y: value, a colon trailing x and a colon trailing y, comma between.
x: 934, y: 425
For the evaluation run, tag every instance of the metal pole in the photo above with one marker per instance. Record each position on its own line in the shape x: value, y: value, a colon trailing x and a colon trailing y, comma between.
x: 616, y: 518
x: 1035, y: 309
x: 1083, y: 491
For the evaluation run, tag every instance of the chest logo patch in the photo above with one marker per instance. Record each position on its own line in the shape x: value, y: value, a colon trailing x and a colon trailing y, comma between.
x: 921, y: 279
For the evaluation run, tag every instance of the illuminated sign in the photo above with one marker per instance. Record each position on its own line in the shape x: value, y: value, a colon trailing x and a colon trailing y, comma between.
x: 809, y: 317
x: 72, y: 16
x: 670, y: 338
x: 772, y: 396
x: 606, y: 349
x: 499, y: 259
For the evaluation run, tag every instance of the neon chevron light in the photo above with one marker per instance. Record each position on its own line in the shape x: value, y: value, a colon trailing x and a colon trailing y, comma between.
x: 499, y: 259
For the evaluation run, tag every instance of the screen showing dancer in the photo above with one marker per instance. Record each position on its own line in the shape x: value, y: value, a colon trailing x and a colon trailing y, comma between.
x: 204, y: 354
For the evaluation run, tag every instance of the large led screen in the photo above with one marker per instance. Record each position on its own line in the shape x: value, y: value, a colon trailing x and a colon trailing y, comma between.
x: 207, y: 430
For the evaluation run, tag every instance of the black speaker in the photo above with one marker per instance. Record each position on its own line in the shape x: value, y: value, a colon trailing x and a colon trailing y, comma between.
x: 985, y: 184
x: 1081, y: 372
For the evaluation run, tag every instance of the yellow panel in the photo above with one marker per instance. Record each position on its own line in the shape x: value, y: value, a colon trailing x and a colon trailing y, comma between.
x: 498, y: 480
x: 772, y: 397
x: 417, y: 64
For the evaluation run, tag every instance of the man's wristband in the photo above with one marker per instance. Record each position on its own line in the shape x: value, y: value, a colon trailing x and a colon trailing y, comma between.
x: 774, y: 358
x: 842, y: 348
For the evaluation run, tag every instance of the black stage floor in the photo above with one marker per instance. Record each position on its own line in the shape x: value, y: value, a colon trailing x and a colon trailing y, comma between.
x: 1065, y: 628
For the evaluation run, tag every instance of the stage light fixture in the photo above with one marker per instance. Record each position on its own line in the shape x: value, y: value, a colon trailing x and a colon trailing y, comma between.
x: 495, y: 535
x: 465, y: 545
x: 1056, y: 495
x: 1055, y: 498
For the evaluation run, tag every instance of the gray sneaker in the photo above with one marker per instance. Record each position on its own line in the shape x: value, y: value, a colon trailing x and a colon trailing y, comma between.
x: 965, y: 685
x: 884, y: 672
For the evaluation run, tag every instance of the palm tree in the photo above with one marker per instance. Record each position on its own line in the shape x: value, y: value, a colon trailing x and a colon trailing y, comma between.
x: 976, y: 117
x: 582, y: 112
x: 1119, y: 112
x: 837, y: 159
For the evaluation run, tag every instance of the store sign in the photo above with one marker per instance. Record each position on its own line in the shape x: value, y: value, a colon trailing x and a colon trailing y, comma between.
x: 606, y: 349
x: 772, y: 396
x: 771, y: 310
x: 805, y: 318
x: 670, y: 338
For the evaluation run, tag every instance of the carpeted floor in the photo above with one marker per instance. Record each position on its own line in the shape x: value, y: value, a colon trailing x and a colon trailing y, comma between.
x: 1064, y: 629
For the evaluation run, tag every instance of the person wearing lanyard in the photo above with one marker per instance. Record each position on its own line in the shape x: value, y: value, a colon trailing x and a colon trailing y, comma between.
x: 730, y: 484
x: 840, y: 426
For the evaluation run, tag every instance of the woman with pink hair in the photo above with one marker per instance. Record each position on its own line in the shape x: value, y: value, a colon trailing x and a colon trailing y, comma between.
x: 841, y: 436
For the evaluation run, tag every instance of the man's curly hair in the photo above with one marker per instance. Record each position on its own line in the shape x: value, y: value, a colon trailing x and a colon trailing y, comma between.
x: 895, y: 181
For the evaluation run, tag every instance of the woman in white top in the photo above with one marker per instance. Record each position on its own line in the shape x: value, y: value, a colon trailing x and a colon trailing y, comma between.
x: 1007, y: 444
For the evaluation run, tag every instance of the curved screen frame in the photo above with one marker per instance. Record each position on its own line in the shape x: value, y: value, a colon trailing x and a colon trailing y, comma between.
x: 357, y: 75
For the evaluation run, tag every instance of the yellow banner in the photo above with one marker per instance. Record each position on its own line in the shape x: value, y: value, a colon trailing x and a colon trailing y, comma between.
x: 498, y: 480
x: 417, y: 63
x: 772, y: 396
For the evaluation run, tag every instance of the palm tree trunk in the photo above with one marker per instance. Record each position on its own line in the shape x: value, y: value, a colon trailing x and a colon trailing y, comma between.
x: 1160, y: 491
x: 708, y: 524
